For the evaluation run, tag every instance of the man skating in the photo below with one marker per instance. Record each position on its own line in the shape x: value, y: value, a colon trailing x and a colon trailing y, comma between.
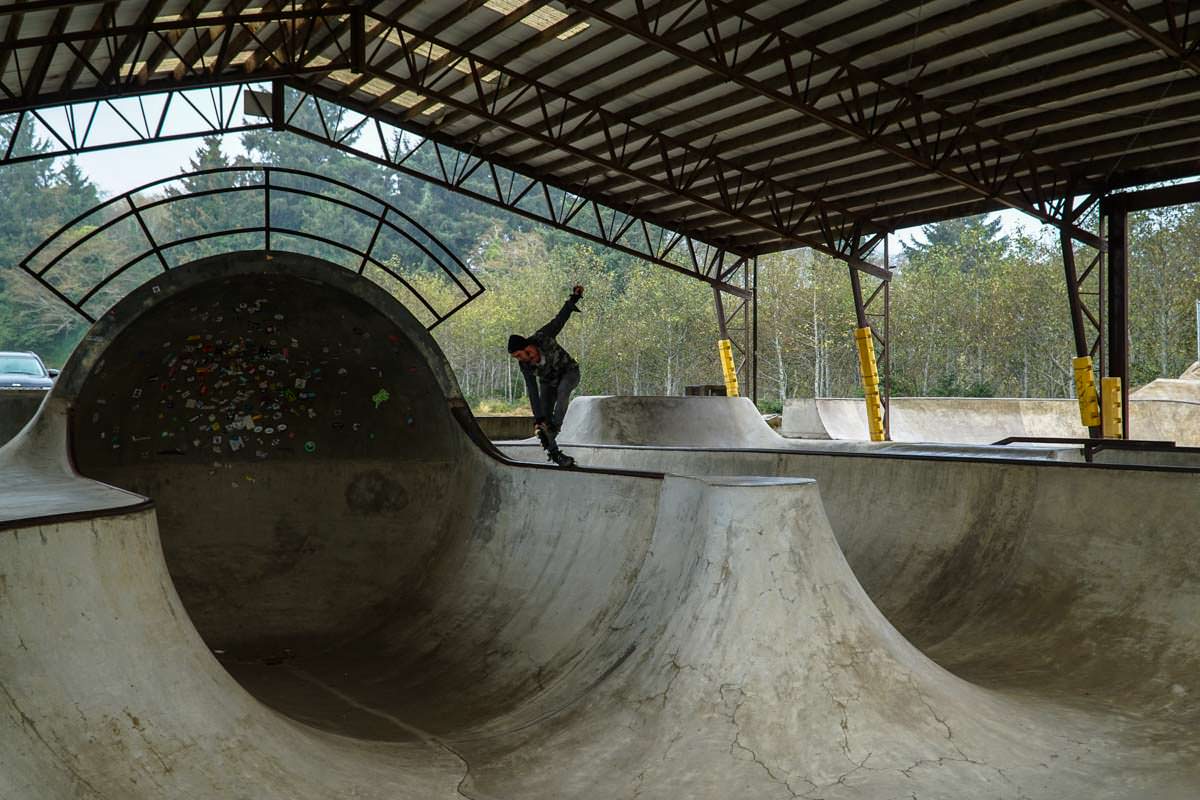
x: 550, y: 377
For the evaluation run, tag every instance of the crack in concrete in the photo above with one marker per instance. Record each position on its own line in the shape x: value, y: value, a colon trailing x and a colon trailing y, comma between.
x: 428, y: 738
x: 737, y: 738
x: 663, y: 696
x: 941, y: 721
x: 28, y: 722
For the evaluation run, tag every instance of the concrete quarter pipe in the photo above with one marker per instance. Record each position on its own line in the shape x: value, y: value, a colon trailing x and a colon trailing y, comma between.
x: 336, y: 589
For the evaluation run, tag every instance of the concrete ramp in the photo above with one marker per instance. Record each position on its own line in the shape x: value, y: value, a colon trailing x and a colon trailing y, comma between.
x: 367, y: 601
x: 1064, y: 586
x: 1166, y: 410
x: 695, y: 421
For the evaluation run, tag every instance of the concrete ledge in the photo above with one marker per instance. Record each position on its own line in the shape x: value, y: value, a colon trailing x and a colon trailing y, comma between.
x: 502, y: 428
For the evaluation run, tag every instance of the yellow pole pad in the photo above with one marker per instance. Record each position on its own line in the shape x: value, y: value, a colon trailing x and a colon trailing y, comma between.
x: 725, y: 350
x: 1085, y: 391
x: 870, y: 379
x: 1110, y: 390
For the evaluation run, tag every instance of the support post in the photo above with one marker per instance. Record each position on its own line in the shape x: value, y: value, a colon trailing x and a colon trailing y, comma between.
x: 754, y: 330
x: 1114, y: 416
x: 737, y: 323
x: 278, y: 110
x: 886, y: 386
x: 1116, y: 222
x: 725, y: 348
x: 1087, y: 324
x: 864, y: 340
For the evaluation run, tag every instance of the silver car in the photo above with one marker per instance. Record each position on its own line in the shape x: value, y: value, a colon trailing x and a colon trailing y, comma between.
x: 24, y: 371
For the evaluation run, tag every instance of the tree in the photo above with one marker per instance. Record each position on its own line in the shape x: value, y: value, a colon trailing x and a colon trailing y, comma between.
x: 971, y: 242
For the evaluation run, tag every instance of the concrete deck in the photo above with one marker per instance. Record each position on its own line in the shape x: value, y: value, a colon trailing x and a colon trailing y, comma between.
x: 399, y: 611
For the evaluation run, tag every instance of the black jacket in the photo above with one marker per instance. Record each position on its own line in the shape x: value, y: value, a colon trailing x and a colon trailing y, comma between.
x: 555, y: 363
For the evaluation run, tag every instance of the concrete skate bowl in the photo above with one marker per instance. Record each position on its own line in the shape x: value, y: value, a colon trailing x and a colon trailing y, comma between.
x: 409, y: 615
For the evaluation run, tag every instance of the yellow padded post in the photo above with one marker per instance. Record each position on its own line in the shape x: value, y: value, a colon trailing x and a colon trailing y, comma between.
x: 1085, y: 390
x: 725, y: 348
x: 870, y: 379
x: 1110, y: 388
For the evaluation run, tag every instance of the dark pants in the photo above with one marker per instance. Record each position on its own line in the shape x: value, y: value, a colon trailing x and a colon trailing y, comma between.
x: 556, y: 396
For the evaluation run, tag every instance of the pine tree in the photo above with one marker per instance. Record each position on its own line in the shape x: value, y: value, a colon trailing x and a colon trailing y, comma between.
x: 970, y: 242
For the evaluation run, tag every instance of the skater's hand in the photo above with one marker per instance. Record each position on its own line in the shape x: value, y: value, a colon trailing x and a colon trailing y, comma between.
x: 538, y: 427
x: 577, y: 291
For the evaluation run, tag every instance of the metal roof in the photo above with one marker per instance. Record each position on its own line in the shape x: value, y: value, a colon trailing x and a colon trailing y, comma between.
x: 757, y: 126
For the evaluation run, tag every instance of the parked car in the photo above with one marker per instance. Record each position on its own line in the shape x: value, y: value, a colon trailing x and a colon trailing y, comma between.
x: 24, y: 371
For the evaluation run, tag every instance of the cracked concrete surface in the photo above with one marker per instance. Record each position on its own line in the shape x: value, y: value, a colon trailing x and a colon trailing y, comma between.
x: 493, y: 631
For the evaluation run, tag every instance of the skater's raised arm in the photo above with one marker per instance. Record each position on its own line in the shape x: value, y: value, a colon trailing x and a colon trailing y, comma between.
x: 555, y: 325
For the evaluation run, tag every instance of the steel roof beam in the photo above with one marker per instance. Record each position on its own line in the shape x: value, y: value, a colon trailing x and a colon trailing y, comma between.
x: 32, y: 83
x: 848, y: 183
x: 1176, y: 43
x: 684, y: 163
x: 83, y: 56
x: 929, y: 136
x: 817, y: 135
x: 690, y: 89
x: 590, y: 44
x: 380, y: 23
x: 489, y: 32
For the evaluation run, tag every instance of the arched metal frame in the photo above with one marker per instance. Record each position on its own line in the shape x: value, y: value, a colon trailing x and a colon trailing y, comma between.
x: 385, y: 216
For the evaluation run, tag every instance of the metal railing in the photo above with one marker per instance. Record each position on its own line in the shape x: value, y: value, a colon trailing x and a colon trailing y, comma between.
x: 142, y: 205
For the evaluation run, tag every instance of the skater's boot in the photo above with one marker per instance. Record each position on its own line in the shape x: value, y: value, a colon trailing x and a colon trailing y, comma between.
x: 552, y: 452
x: 562, y: 459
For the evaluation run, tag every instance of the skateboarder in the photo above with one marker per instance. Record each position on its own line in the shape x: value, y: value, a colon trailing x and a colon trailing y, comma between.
x: 550, y: 377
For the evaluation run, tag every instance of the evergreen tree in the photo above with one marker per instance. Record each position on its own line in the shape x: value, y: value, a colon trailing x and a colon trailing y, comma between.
x: 76, y: 192
x: 971, y: 242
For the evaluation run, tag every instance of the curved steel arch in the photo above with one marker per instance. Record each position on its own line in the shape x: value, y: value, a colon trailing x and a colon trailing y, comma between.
x: 74, y: 236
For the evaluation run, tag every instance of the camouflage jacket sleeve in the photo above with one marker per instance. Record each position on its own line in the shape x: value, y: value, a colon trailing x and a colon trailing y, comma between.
x: 560, y: 319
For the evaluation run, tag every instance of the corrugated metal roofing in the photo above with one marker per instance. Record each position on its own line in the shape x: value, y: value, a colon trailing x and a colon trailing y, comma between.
x: 754, y: 125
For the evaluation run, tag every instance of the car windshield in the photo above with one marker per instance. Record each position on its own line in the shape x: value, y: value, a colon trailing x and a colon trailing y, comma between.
x: 21, y: 365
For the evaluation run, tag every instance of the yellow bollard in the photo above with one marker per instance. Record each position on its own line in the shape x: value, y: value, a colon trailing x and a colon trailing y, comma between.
x: 870, y: 379
x: 725, y: 348
x: 1110, y: 388
x: 1085, y: 390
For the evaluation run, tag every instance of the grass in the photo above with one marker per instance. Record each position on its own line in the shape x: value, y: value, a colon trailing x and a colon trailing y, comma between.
x: 494, y: 406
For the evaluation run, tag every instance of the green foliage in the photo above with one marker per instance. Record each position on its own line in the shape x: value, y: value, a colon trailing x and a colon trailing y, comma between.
x: 973, y: 312
x: 651, y: 332
x: 970, y: 243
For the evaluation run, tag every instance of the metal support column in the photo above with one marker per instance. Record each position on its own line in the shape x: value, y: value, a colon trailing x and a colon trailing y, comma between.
x: 1085, y: 296
x: 879, y: 323
x: 754, y: 330
x: 737, y: 321
x: 1116, y: 225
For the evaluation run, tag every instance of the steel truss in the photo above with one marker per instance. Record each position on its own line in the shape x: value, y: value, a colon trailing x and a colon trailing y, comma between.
x: 737, y: 321
x: 171, y: 52
x: 1085, y: 291
x: 434, y: 69
x: 142, y: 119
x: 485, y: 179
x: 1177, y: 41
x: 51, y: 263
x: 889, y: 117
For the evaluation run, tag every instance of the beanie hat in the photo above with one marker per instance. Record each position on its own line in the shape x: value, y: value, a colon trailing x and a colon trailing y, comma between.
x: 517, y: 342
